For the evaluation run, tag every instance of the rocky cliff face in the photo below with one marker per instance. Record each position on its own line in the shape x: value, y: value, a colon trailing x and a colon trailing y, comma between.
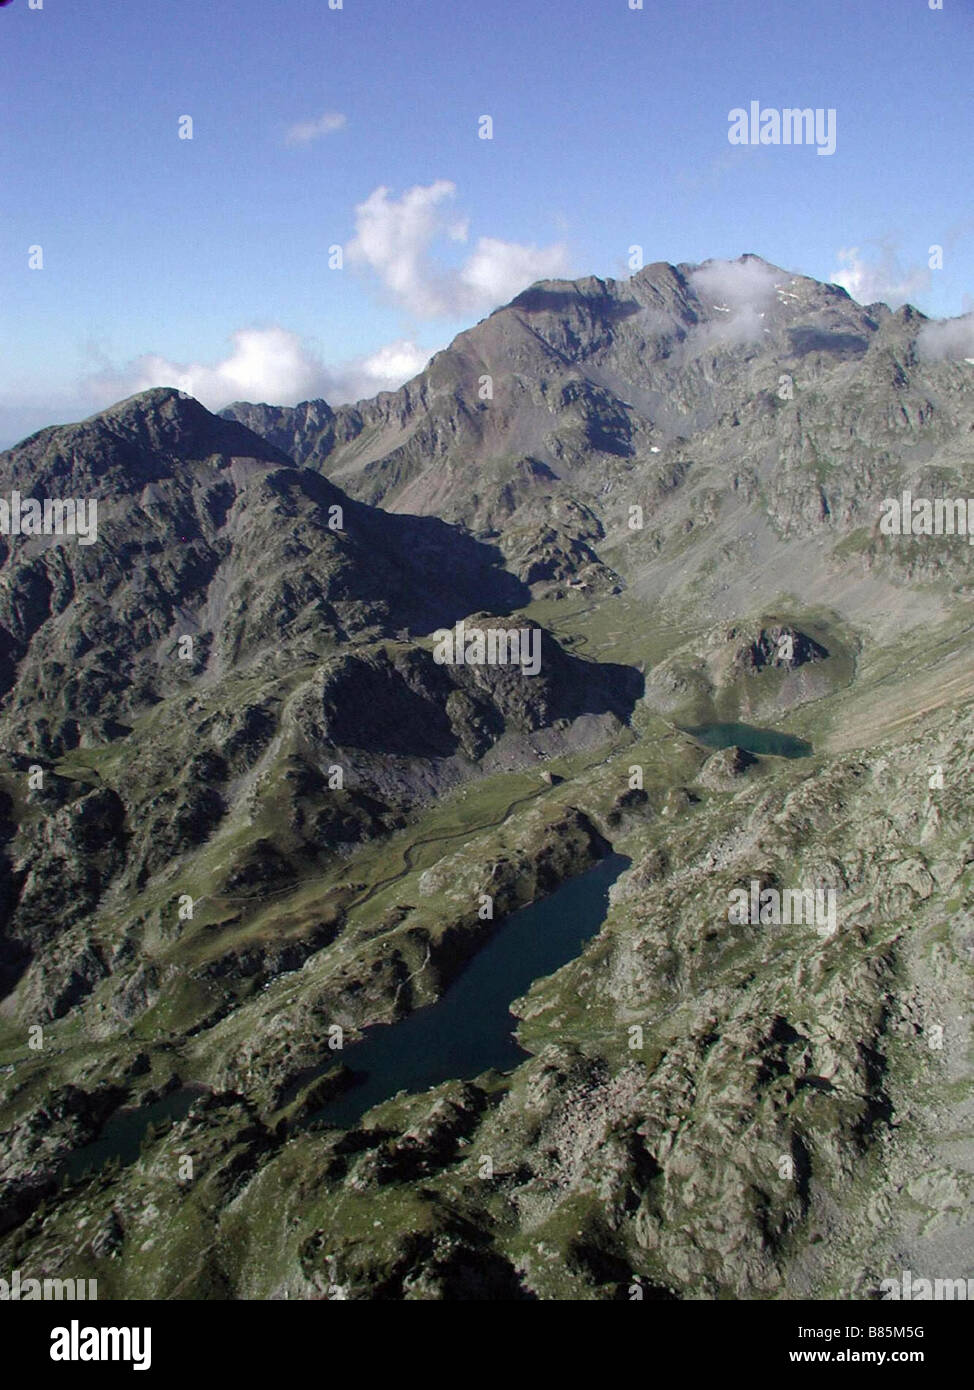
x: 206, y: 533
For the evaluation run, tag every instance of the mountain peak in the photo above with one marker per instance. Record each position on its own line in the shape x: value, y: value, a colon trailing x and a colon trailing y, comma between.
x: 165, y: 410
x: 144, y: 437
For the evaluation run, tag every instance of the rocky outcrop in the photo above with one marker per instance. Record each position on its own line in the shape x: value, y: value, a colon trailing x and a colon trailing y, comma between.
x: 723, y: 770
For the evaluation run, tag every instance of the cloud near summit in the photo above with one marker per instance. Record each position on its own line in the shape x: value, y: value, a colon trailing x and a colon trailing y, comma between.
x: 947, y: 339
x: 266, y: 364
x: 742, y: 289
x: 394, y: 239
x: 879, y: 278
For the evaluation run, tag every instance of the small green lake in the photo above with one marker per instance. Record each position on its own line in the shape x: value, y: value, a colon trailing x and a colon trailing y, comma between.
x: 767, y: 741
x: 124, y: 1131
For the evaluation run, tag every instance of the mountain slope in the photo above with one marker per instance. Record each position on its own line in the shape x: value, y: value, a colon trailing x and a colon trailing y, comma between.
x: 231, y: 687
x: 737, y: 405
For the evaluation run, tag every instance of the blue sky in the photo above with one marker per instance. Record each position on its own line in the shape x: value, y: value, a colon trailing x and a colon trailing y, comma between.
x: 205, y: 262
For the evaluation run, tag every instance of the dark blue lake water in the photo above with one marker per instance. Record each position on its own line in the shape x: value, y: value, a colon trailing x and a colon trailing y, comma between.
x: 469, y: 1029
x: 466, y: 1032
x: 124, y: 1131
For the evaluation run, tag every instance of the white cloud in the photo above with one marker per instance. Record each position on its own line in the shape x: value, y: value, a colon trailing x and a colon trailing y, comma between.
x: 304, y: 132
x: 393, y: 239
x: 385, y: 370
x: 498, y: 270
x: 744, y: 288
x: 269, y: 365
x: 265, y: 364
x: 881, y: 279
x: 949, y: 338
